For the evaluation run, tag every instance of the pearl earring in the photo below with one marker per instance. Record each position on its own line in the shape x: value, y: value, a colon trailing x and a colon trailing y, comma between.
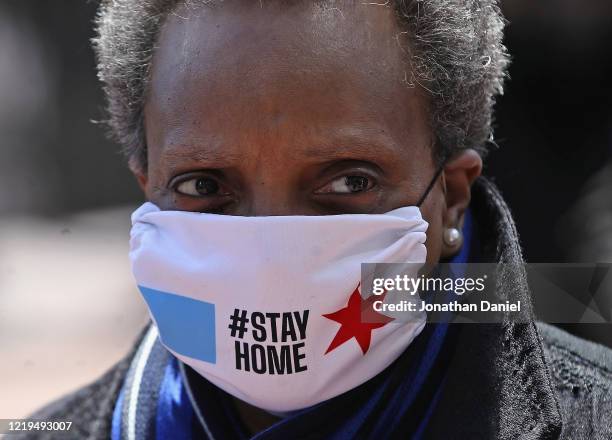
x: 452, y: 236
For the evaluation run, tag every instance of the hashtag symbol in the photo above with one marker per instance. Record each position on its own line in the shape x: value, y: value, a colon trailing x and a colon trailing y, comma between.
x: 238, y: 324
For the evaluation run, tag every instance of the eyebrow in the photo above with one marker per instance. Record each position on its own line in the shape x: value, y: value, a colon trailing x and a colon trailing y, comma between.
x: 357, y: 142
x: 361, y: 141
x: 214, y: 152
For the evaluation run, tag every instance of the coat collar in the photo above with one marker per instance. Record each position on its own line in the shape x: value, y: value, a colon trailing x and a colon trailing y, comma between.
x: 498, y: 385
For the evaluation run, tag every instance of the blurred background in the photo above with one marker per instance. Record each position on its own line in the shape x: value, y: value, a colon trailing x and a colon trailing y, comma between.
x: 68, y: 307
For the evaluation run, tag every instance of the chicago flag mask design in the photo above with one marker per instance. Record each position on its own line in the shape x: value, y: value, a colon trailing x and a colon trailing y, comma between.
x: 269, y: 308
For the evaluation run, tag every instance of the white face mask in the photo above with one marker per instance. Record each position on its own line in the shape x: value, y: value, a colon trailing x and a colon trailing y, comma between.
x: 268, y: 308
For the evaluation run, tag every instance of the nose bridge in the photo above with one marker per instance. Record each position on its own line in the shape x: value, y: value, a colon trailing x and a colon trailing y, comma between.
x: 270, y: 193
x: 260, y: 207
x: 271, y: 181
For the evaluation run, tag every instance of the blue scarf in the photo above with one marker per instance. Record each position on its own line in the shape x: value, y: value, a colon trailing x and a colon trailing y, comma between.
x: 397, y: 402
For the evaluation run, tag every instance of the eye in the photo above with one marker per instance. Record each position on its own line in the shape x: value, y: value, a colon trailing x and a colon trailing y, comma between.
x: 200, y: 186
x: 347, y: 185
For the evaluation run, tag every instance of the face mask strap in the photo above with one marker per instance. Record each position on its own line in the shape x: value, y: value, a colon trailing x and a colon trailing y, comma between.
x: 432, y: 183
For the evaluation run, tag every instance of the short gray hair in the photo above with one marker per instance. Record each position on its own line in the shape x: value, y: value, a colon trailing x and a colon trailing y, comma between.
x: 456, y: 53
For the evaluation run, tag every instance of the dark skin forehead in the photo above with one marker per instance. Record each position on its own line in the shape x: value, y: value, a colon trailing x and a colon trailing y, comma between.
x: 268, y: 90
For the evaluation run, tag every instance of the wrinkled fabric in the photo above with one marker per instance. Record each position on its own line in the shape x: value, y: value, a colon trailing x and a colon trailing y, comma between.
x: 269, y: 309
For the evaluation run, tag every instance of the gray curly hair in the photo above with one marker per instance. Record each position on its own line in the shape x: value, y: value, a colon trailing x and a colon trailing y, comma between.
x: 455, y: 51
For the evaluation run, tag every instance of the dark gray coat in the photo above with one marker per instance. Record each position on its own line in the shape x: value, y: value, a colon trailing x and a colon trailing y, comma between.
x: 507, y: 381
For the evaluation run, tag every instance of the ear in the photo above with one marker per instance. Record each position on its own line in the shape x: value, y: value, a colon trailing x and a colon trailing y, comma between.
x: 139, y: 173
x: 459, y: 174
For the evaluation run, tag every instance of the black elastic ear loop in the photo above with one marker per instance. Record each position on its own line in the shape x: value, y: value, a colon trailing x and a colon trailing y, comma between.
x: 431, y: 184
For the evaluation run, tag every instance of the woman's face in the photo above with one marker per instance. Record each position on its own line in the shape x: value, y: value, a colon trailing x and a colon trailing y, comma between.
x: 260, y: 108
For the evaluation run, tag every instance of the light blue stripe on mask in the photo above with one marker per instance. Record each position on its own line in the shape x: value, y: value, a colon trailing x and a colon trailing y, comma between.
x: 185, y: 325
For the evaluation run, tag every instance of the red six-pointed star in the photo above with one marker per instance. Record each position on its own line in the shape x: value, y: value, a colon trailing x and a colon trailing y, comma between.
x: 350, y: 322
